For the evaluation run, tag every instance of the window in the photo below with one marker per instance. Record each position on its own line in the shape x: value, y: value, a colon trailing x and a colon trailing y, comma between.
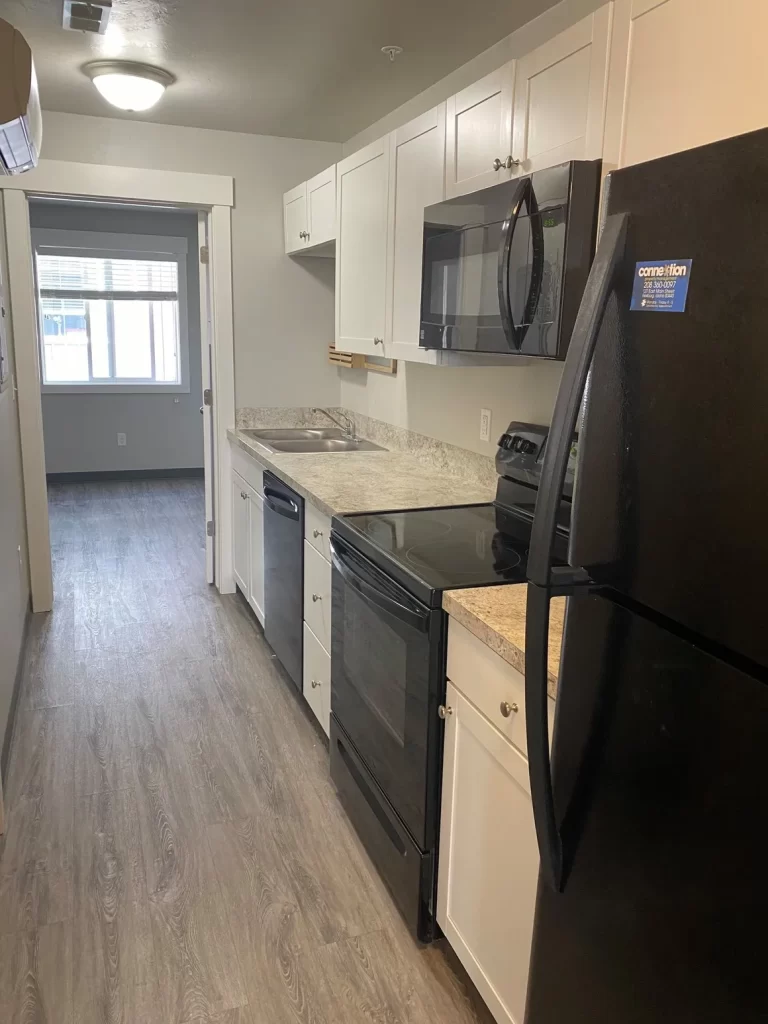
x: 111, y: 318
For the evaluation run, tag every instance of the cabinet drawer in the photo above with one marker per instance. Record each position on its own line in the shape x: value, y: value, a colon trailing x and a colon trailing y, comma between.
x: 317, y: 678
x: 489, y: 682
x: 317, y: 594
x: 249, y: 469
x: 317, y: 530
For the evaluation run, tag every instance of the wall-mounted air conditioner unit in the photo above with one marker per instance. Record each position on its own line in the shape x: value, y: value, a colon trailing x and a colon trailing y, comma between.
x: 21, y: 122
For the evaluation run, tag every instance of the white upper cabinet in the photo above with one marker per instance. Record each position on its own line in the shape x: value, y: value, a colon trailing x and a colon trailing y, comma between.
x: 321, y: 207
x: 417, y: 170
x: 560, y: 96
x: 684, y: 73
x: 295, y: 218
x: 309, y: 215
x: 362, y: 221
x: 478, y: 139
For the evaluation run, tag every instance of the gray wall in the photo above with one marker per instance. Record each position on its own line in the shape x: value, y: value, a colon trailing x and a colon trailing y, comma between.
x: 283, y: 306
x: 14, y: 579
x: 163, y: 431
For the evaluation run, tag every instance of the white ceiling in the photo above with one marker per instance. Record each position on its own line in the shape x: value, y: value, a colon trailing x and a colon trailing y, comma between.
x: 299, y: 68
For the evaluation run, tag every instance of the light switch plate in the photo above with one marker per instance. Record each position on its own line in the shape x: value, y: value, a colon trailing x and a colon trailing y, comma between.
x: 485, y: 424
x: 121, y: 441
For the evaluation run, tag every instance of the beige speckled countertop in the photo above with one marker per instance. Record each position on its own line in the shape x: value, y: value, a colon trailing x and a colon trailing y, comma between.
x: 339, y: 482
x: 496, y: 615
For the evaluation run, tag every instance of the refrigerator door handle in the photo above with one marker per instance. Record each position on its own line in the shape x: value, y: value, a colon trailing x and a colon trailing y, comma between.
x: 511, y: 331
x: 543, y: 580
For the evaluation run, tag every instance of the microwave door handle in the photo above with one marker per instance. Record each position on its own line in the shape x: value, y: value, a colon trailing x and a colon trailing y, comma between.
x: 537, y: 270
x: 505, y: 249
x: 374, y: 596
x: 543, y: 580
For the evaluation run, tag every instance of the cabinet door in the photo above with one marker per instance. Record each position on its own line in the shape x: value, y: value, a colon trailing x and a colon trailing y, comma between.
x: 478, y: 130
x: 560, y: 96
x: 417, y: 176
x: 684, y: 73
x: 256, y: 554
x: 321, y: 207
x: 361, y: 249
x: 489, y: 860
x: 240, y: 532
x: 317, y: 679
x: 295, y: 218
x: 317, y: 594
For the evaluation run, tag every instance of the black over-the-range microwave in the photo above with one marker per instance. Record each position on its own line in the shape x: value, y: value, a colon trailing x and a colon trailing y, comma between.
x: 504, y: 269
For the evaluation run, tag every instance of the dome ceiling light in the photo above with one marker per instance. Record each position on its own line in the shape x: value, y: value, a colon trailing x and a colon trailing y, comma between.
x: 127, y: 84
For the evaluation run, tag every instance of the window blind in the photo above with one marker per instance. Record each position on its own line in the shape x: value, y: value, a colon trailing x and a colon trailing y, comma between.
x: 90, y: 277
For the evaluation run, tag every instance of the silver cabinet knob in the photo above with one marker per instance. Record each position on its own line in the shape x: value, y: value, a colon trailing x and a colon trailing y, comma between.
x: 243, y: 494
x: 378, y: 341
x: 510, y: 162
x: 444, y: 710
x: 315, y: 683
x: 498, y: 164
x: 302, y: 234
x: 317, y: 533
x: 316, y: 597
x: 202, y: 409
x: 506, y: 708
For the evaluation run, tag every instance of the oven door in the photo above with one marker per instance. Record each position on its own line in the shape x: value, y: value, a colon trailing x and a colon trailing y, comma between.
x: 384, y: 682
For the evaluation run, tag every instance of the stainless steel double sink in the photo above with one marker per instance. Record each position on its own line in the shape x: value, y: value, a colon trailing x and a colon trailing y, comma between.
x: 309, y: 439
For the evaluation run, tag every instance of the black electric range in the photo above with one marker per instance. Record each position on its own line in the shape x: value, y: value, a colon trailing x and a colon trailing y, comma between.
x: 388, y: 650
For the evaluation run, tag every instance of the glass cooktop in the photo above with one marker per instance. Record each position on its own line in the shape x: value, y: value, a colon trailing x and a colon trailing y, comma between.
x: 447, y: 548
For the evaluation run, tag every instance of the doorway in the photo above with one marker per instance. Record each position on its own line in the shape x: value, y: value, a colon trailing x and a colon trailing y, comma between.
x: 210, y: 197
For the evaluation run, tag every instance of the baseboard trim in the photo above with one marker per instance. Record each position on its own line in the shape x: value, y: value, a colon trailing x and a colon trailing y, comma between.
x: 125, y: 474
x: 5, y: 753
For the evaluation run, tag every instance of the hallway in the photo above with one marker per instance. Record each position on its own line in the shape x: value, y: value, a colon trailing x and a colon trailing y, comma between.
x: 174, y: 849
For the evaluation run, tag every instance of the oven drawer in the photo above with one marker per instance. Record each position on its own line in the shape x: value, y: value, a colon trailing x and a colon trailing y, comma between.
x: 317, y: 594
x: 406, y: 869
x: 488, y: 682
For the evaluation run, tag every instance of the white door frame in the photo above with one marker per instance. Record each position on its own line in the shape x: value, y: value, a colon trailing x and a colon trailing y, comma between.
x: 211, y: 194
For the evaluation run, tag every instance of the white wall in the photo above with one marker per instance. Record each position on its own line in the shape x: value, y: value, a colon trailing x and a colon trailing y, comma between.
x: 162, y: 431
x: 14, y: 586
x: 283, y: 307
x: 445, y: 402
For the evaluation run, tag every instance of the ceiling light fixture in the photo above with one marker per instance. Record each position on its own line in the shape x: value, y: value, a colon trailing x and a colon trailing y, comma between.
x: 127, y: 84
x: 392, y: 51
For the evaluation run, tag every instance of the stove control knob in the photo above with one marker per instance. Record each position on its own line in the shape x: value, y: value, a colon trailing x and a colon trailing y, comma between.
x: 445, y: 710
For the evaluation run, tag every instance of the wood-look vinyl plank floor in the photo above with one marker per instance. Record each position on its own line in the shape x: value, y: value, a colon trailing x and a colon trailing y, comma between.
x: 175, y: 852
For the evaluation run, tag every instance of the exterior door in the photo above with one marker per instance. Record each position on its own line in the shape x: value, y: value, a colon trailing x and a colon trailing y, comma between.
x: 206, y: 409
x: 362, y: 217
x: 417, y: 171
x: 479, y: 132
x: 560, y: 96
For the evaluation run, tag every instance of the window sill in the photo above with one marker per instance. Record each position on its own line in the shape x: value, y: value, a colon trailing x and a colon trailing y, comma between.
x: 114, y: 389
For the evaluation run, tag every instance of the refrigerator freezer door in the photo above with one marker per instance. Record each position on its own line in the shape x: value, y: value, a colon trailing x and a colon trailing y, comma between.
x: 660, y: 756
x: 673, y: 480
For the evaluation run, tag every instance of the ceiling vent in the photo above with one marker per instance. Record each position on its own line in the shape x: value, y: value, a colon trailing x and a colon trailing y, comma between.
x: 85, y: 16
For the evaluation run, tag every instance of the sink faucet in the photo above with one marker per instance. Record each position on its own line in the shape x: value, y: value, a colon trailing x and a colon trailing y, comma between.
x: 345, y: 423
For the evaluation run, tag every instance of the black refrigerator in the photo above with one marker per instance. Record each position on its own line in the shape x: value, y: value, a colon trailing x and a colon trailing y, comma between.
x: 651, y: 806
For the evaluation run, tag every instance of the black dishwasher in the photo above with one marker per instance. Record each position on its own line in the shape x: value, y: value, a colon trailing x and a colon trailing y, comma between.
x: 284, y: 574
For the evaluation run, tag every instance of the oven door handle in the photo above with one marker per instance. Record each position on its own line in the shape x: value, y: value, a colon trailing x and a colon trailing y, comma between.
x: 417, y: 620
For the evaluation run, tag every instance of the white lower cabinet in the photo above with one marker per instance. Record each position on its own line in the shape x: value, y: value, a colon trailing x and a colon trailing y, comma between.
x: 240, y: 529
x: 489, y: 860
x: 256, y: 554
x: 248, y: 534
x: 317, y: 678
x: 317, y: 594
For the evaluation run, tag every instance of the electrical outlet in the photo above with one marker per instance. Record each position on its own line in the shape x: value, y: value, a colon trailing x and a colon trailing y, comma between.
x: 485, y: 424
x: 121, y: 441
